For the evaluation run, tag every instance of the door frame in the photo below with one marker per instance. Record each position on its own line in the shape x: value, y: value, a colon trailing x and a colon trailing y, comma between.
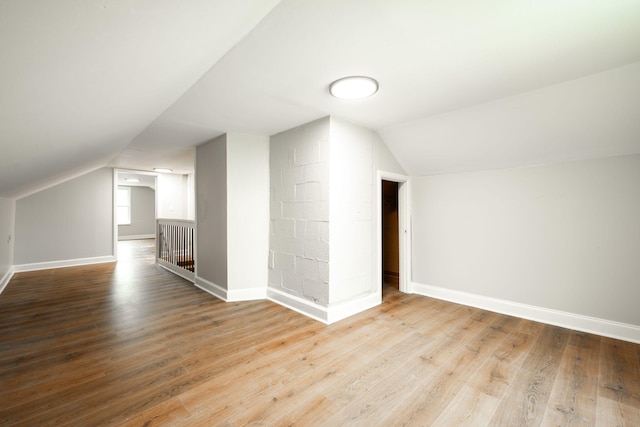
x: 404, y: 230
x: 116, y: 176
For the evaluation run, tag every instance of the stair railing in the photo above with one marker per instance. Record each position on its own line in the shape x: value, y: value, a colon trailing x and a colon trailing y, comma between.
x: 175, y: 246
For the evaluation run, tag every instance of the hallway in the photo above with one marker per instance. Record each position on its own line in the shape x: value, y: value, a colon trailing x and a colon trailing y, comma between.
x: 140, y: 251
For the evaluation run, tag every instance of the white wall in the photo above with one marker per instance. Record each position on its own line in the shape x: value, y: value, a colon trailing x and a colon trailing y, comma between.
x: 191, y: 196
x: 247, y: 215
x: 232, y: 182
x: 356, y: 154
x: 384, y: 162
x: 143, y: 213
x: 323, y: 239
x: 383, y: 159
x: 67, y: 222
x: 211, y: 216
x: 351, y: 211
x: 172, y: 193
x: 562, y: 236
x: 7, y: 230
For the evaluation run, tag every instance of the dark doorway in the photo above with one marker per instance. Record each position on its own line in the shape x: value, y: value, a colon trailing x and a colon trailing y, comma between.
x: 390, y: 239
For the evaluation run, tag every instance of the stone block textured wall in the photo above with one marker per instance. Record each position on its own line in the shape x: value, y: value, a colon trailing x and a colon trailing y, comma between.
x: 299, y: 204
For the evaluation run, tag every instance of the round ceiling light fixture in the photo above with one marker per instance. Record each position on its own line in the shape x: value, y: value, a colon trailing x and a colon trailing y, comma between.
x: 163, y: 170
x: 353, y: 87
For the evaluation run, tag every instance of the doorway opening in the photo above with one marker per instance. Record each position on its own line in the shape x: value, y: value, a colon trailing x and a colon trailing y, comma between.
x: 394, y: 248
x: 390, y: 237
x: 135, y: 205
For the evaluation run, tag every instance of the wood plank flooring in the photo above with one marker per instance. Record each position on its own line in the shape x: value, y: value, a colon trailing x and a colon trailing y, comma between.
x: 131, y: 344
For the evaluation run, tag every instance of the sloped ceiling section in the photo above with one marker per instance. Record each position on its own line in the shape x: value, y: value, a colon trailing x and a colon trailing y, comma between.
x: 81, y: 78
x: 464, y: 85
x: 430, y: 57
x: 589, y: 117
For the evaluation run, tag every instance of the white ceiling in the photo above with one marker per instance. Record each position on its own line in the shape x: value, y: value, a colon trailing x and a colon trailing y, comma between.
x: 464, y: 85
x: 137, y: 179
x: 80, y: 79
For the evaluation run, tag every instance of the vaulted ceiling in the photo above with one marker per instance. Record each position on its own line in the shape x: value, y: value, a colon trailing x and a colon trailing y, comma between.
x: 464, y: 84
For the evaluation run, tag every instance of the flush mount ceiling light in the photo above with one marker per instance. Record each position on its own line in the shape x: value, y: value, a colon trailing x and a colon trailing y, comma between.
x: 353, y: 87
x: 132, y: 179
x: 165, y: 170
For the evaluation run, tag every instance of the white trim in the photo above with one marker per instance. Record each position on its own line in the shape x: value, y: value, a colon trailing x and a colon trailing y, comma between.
x: 326, y: 315
x: 178, y: 271
x: 114, y: 212
x: 564, y: 319
x: 6, y: 279
x: 233, y: 295
x: 404, y: 225
x: 64, y: 263
x: 137, y: 237
x: 211, y: 288
x: 392, y: 176
x: 116, y: 172
x: 249, y: 294
x: 301, y: 305
x: 342, y: 310
x: 404, y: 230
x: 377, y: 275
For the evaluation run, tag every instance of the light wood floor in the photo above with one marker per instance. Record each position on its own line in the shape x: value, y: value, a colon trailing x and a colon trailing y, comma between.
x: 131, y: 344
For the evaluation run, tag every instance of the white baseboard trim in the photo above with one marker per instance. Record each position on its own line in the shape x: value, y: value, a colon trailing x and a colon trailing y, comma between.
x: 185, y: 274
x: 64, y: 263
x: 301, y: 305
x: 211, y: 288
x: 249, y: 294
x: 233, y: 295
x: 346, y: 309
x: 137, y: 237
x: 564, y: 319
x: 6, y: 279
x: 326, y: 315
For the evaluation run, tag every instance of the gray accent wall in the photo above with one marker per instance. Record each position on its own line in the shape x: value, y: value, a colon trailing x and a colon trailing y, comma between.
x: 143, y: 213
x: 562, y: 236
x: 70, y: 221
x: 232, y: 181
x: 211, y: 211
x: 7, y: 231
